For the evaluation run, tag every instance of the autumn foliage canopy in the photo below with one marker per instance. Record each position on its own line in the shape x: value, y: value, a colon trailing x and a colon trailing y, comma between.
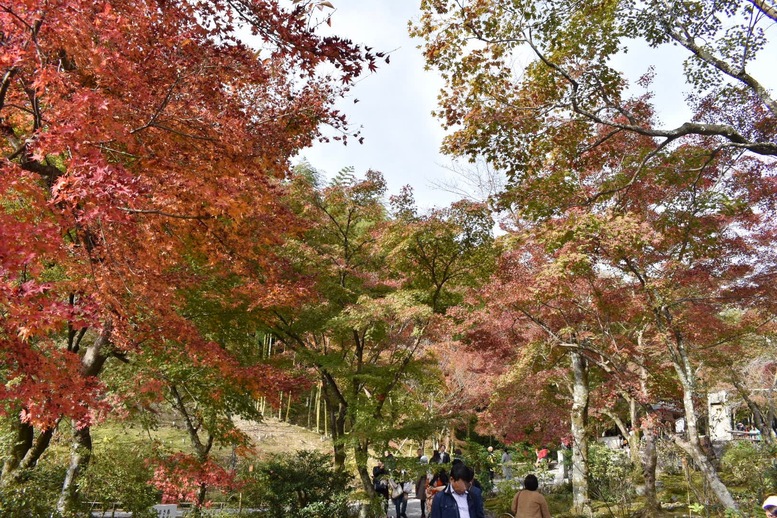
x: 144, y: 144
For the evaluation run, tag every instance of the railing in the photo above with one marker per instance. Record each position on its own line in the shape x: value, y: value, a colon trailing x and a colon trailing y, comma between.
x: 102, y: 508
x: 742, y: 435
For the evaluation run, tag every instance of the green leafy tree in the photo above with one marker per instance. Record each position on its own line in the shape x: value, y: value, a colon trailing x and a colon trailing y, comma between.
x: 356, y: 330
x: 369, y: 323
x: 444, y: 252
x: 510, y: 116
x: 205, y: 383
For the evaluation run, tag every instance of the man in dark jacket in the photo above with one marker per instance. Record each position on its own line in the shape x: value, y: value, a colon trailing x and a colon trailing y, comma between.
x: 444, y: 457
x: 459, y: 499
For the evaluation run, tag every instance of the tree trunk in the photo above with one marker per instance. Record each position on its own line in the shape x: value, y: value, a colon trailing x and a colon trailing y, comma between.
x: 767, y: 433
x: 337, y: 413
x: 646, y: 459
x: 633, y: 435
x: 649, y: 456
x: 692, y: 446
x: 21, y: 445
x: 201, y: 448
x: 681, y: 362
x: 579, y: 422
x: 80, y: 454
x: 201, y: 493
x: 41, y: 445
x: 81, y: 451
x: 361, y: 454
x: 649, y: 464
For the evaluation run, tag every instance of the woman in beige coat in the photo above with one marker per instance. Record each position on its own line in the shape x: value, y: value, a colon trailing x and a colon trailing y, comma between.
x: 528, y: 502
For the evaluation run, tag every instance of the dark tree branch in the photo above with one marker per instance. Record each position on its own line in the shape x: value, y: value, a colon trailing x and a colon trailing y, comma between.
x: 763, y: 6
x: 689, y: 128
x: 725, y: 67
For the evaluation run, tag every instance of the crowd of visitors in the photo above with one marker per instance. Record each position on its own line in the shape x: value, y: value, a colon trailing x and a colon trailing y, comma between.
x: 454, y: 494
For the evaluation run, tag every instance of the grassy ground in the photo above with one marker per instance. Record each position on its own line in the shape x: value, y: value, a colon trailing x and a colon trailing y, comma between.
x: 268, y: 437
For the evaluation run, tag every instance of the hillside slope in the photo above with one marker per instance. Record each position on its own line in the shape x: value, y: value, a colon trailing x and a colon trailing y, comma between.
x: 272, y: 436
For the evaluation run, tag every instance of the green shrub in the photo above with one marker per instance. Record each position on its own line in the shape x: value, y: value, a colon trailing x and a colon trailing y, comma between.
x: 505, y: 491
x: 670, y: 457
x: 121, y: 472
x: 35, y: 494
x: 477, y: 458
x: 299, y: 485
x: 609, y: 477
x: 750, y: 469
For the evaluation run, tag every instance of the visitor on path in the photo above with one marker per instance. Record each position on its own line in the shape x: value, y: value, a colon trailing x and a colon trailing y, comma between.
x: 379, y: 478
x: 770, y: 506
x: 437, y: 483
x: 458, y: 499
x: 436, y: 459
x: 507, y: 469
x: 389, y: 461
x: 420, y: 491
x: 380, y: 483
x: 399, y: 494
x: 422, y: 458
x: 542, y: 456
x: 491, y: 464
x: 445, y: 458
x: 457, y: 454
x: 528, y: 502
x: 475, y: 484
x: 422, y: 482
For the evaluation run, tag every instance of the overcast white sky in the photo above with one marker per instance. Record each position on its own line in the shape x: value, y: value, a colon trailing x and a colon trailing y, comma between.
x: 401, y: 138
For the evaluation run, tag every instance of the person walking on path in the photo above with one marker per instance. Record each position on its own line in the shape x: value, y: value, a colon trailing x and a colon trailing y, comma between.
x: 491, y: 464
x: 528, y: 502
x: 542, y: 456
x: 436, y: 484
x: 399, y: 494
x: 422, y: 482
x: 507, y: 470
x: 445, y: 457
x: 436, y: 459
x: 420, y: 491
x: 380, y: 482
x: 459, y: 499
x: 421, y: 456
x: 770, y: 506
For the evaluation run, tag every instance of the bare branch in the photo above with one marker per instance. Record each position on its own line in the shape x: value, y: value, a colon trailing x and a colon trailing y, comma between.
x: 725, y: 67
x: 161, y: 107
x: 5, y: 84
x: 689, y: 128
x: 765, y: 8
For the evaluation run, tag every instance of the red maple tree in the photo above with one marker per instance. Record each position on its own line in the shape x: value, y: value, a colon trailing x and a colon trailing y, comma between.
x: 142, y: 140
